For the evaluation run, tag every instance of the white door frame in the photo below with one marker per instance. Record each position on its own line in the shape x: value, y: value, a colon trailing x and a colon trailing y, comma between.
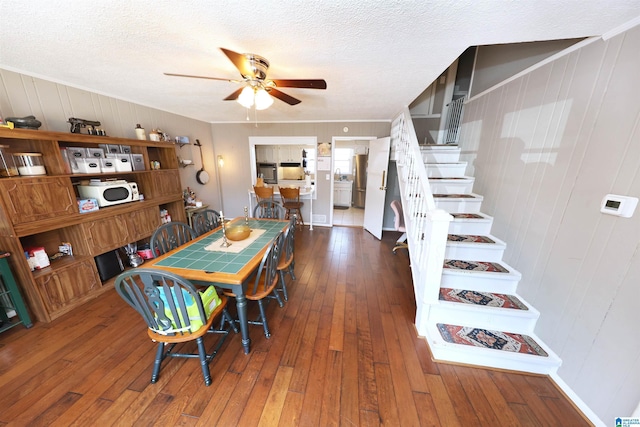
x: 333, y: 168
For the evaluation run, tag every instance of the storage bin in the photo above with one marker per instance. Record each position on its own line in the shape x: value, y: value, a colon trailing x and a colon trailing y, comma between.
x: 122, y: 161
x: 7, y: 165
x: 108, y: 165
x: 95, y: 153
x: 110, y: 148
x: 137, y: 162
x: 29, y: 164
x: 85, y: 165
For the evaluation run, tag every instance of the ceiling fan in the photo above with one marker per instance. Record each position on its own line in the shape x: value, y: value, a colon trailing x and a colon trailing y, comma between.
x: 256, y: 87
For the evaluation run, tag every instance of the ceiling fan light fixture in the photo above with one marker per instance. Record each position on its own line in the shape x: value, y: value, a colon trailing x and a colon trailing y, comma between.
x: 246, y: 97
x: 262, y: 99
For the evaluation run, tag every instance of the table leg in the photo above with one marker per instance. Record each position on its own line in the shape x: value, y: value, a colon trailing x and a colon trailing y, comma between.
x: 241, y: 304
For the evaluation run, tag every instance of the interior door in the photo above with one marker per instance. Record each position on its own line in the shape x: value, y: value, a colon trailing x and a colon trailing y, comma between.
x: 376, y: 185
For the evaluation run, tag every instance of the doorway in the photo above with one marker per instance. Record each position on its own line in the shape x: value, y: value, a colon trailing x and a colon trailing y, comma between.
x: 349, y: 167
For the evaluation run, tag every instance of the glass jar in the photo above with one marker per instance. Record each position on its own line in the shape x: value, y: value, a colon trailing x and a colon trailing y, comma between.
x: 29, y: 164
x: 7, y: 165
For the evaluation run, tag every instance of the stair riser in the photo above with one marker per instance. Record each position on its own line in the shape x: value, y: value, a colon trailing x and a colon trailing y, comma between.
x: 518, y: 321
x: 481, y: 282
x: 459, y: 206
x: 470, y: 227
x: 451, y: 187
x: 475, y: 252
x: 446, y: 170
x: 444, y: 156
x: 502, y: 360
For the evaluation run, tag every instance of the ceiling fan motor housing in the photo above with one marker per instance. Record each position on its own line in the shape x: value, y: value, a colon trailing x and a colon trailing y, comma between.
x: 258, y: 65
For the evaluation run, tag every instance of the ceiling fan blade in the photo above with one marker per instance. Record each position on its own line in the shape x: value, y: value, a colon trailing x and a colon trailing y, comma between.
x: 283, y: 96
x: 301, y: 83
x: 200, y: 77
x: 234, y: 95
x: 240, y: 61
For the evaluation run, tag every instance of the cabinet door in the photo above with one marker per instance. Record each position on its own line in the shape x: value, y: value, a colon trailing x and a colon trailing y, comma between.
x: 107, y: 234
x: 65, y: 287
x: 166, y: 183
x: 35, y: 199
x: 142, y: 223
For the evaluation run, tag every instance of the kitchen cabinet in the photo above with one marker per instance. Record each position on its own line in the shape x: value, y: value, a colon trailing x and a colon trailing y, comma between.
x: 42, y: 211
x: 290, y: 153
x: 267, y: 154
x: 342, y: 193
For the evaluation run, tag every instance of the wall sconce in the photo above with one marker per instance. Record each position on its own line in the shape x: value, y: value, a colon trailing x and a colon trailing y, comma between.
x: 220, y: 161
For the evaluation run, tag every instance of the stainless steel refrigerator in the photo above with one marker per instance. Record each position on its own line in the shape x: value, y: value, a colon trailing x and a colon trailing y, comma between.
x: 359, y: 180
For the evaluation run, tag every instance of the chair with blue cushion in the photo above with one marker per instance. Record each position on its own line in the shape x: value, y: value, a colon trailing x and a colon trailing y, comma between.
x: 175, y: 312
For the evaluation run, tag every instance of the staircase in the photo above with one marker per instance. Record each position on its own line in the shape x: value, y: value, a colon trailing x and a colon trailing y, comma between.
x: 479, y: 317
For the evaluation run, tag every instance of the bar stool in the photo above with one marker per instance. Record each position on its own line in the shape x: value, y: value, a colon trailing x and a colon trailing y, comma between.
x: 263, y: 193
x: 291, y: 202
x: 10, y: 298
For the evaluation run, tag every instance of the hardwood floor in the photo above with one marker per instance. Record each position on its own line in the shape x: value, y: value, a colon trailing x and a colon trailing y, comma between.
x: 344, y: 351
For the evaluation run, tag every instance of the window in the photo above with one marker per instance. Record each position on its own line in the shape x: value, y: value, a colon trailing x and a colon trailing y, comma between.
x: 343, y: 161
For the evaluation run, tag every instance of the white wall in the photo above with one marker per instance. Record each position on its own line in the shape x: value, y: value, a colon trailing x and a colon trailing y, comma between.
x: 53, y: 104
x: 232, y: 142
x: 545, y: 148
x: 496, y: 63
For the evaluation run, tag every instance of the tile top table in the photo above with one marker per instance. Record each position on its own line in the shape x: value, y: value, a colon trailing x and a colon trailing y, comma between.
x: 229, y: 268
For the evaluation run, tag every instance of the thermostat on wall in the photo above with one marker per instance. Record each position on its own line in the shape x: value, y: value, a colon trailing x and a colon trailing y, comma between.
x: 623, y: 206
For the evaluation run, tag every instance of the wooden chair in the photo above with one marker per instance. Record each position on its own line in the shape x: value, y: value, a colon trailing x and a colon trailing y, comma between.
x: 291, y: 202
x: 268, y: 209
x: 401, y: 243
x: 265, y: 282
x: 286, y: 264
x: 263, y: 193
x: 169, y: 236
x: 174, y: 312
x: 205, y: 221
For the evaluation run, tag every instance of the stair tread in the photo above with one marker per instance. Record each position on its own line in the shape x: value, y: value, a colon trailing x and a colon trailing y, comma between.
x: 473, y: 238
x: 457, y: 196
x: 490, y: 339
x: 475, y: 266
x: 484, y: 299
x: 452, y: 178
x: 462, y: 216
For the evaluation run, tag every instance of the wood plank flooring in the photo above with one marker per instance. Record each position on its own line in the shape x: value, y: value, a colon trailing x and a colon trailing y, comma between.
x: 343, y: 352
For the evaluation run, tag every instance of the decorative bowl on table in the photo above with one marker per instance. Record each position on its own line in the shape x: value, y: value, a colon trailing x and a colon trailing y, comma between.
x: 237, y: 232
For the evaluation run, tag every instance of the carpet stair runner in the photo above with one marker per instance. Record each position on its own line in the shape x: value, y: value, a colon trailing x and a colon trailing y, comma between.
x: 479, y: 317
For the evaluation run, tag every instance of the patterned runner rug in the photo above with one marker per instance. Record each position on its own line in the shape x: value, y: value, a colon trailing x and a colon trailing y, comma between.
x: 458, y: 264
x: 468, y: 238
x: 466, y: 216
x: 488, y: 299
x: 494, y: 340
x: 455, y: 196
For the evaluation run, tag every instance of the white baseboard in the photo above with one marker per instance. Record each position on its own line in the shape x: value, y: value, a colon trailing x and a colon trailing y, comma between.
x: 583, y: 407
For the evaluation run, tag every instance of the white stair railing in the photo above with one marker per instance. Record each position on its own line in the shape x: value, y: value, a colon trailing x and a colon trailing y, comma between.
x: 454, y: 118
x: 427, y: 227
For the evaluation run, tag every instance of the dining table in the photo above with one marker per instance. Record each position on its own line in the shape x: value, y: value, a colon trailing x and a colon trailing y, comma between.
x: 207, y: 260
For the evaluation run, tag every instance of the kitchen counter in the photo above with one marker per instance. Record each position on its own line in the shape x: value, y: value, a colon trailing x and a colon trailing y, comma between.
x: 306, y: 193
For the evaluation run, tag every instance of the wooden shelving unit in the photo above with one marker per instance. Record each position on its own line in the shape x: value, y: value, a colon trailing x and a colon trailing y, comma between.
x: 43, y: 211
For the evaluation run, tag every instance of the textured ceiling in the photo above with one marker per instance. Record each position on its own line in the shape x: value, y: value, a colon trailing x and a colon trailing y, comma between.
x: 376, y: 55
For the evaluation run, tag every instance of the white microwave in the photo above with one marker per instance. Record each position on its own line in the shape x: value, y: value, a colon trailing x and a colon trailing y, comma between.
x: 109, y: 193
